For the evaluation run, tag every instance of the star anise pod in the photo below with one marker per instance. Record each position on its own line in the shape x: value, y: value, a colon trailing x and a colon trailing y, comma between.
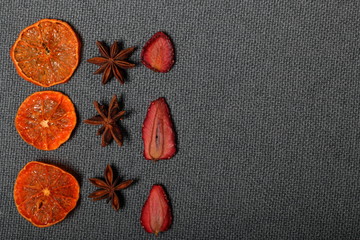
x: 108, y: 188
x: 108, y: 117
x: 112, y: 62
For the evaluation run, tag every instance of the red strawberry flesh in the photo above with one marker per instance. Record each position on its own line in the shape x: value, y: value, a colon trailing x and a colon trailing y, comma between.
x: 156, y: 214
x: 158, y: 133
x: 158, y: 53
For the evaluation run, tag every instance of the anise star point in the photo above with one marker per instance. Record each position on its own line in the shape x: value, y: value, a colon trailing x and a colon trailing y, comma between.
x: 108, y: 117
x: 112, y: 62
x: 108, y: 188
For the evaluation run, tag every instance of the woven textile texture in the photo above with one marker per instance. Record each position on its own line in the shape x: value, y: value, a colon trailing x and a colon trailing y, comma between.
x: 265, y: 98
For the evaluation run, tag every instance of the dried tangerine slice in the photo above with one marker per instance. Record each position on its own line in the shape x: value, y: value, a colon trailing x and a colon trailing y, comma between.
x: 46, y: 53
x: 46, y: 119
x: 44, y: 194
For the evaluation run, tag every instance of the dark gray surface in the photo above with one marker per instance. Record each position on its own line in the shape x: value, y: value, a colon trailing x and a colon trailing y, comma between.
x: 265, y: 98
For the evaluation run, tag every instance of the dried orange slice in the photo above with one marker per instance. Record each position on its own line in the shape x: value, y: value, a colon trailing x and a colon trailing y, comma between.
x: 44, y: 194
x: 46, y: 53
x: 46, y: 119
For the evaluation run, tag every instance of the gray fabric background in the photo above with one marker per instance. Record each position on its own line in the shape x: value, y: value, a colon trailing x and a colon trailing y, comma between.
x: 265, y: 99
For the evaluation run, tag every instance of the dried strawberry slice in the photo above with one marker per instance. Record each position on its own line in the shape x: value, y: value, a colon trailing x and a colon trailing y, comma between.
x: 156, y: 214
x: 158, y: 53
x: 158, y: 133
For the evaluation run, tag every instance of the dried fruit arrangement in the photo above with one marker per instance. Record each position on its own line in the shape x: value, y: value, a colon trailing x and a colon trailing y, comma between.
x: 46, y: 119
x: 44, y: 194
x: 46, y: 53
